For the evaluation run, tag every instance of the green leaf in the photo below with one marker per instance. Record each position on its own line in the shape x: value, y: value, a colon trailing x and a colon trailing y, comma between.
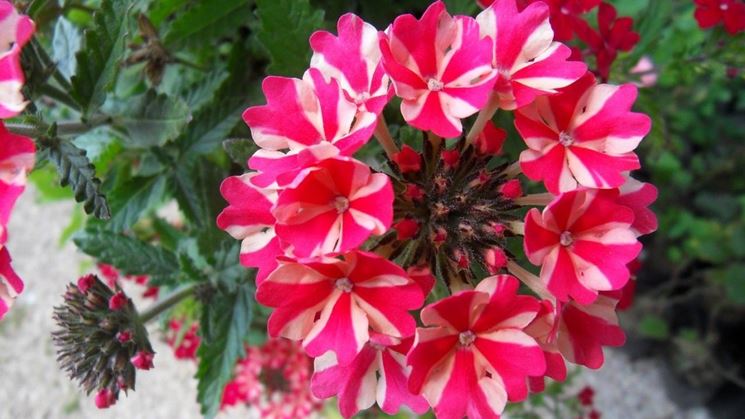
x: 461, y: 7
x: 65, y: 44
x: 98, y: 62
x: 654, y: 327
x: 206, y: 22
x: 285, y: 26
x: 225, y: 326
x: 196, y: 189
x: 128, y: 254
x: 162, y: 9
x: 214, y: 122
x: 74, y: 169
x: 130, y: 200
x: 734, y: 283
x: 239, y: 149
x: 150, y: 119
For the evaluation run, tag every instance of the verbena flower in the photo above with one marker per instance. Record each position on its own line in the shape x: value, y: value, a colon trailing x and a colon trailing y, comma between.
x: 101, y: 340
x: 731, y: 13
x: 347, y: 253
x: 15, y: 30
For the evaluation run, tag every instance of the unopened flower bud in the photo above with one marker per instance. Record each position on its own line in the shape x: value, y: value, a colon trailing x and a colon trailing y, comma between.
x: 85, y: 282
x: 105, y: 398
x: 450, y: 158
x: 495, y: 259
x: 414, y: 192
x: 117, y: 301
x: 143, y: 360
x: 406, y: 228
x: 511, y: 189
x: 490, y: 140
x: 408, y: 160
x: 124, y: 336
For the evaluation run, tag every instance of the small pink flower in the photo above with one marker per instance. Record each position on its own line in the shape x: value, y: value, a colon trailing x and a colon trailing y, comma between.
x: 117, y: 301
x: 16, y: 161
x: 378, y: 373
x: 495, y: 260
x: 124, y: 336
x: 184, y: 342
x: 353, y: 58
x: 440, y: 67
x: 248, y: 218
x: 408, y: 160
x: 15, y: 31
x: 105, y: 398
x: 143, y: 360
x: 586, y: 395
x: 474, y: 355
x: 582, y: 241
x: 10, y: 283
x: 585, y: 135
x: 333, y: 206
x: 528, y: 62
x: 330, y: 303
x: 639, y: 196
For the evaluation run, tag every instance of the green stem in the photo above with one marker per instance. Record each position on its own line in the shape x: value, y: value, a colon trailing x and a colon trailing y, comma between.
x: 169, y: 301
x: 63, y: 128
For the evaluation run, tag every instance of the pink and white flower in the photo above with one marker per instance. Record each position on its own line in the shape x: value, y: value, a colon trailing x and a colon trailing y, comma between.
x: 15, y: 30
x: 475, y: 354
x: 584, y: 135
x: 576, y: 333
x: 302, y: 113
x: 10, y: 283
x: 333, y: 206
x: 440, y: 66
x: 331, y: 303
x: 583, y: 242
x: 378, y: 373
x: 248, y: 217
x: 639, y: 196
x: 353, y: 59
x: 528, y: 62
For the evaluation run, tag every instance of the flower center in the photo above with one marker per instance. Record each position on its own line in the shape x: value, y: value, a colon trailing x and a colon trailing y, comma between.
x: 566, y: 239
x: 724, y: 6
x: 565, y: 139
x: 466, y: 338
x: 564, y: 10
x: 361, y: 98
x: 344, y: 284
x: 434, y: 85
x: 341, y: 203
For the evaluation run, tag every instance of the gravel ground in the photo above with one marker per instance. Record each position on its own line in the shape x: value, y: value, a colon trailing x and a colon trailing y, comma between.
x: 33, y: 387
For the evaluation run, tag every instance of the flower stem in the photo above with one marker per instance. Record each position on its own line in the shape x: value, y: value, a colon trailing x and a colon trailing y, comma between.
x: 436, y: 141
x: 536, y: 199
x: 517, y: 227
x: 169, y: 301
x: 63, y: 128
x: 484, y: 116
x: 529, y: 279
x: 384, y: 137
x: 512, y: 170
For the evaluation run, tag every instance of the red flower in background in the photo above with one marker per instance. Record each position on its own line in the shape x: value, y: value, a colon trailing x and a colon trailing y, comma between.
x: 710, y: 13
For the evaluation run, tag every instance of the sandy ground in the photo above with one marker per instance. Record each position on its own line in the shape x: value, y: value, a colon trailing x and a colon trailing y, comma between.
x: 32, y: 386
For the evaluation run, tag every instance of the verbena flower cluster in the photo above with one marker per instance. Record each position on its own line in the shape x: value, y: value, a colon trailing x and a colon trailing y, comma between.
x: 412, y: 283
x: 16, y: 151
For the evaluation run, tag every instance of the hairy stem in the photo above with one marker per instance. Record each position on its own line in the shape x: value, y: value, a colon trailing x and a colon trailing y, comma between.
x: 536, y: 199
x: 512, y: 170
x: 529, y: 279
x: 384, y: 137
x: 169, y: 301
x: 63, y: 128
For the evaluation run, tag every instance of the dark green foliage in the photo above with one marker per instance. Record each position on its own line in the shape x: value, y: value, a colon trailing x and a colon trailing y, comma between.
x: 284, y: 28
x: 129, y: 255
x: 102, y: 53
x: 206, y: 22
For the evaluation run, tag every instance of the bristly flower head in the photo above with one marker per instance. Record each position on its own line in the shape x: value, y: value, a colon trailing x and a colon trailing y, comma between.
x: 347, y: 253
x: 98, y: 346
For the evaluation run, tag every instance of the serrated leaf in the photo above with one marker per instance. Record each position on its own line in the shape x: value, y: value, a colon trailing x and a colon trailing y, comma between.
x: 285, y: 26
x: 103, y: 50
x: 129, y: 255
x: 206, y: 22
x: 130, y: 200
x: 65, y: 44
x: 225, y: 326
x: 239, y: 149
x: 150, y: 119
x: 196, y: 189
x: 74, y: 169
x: 214, y: 122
